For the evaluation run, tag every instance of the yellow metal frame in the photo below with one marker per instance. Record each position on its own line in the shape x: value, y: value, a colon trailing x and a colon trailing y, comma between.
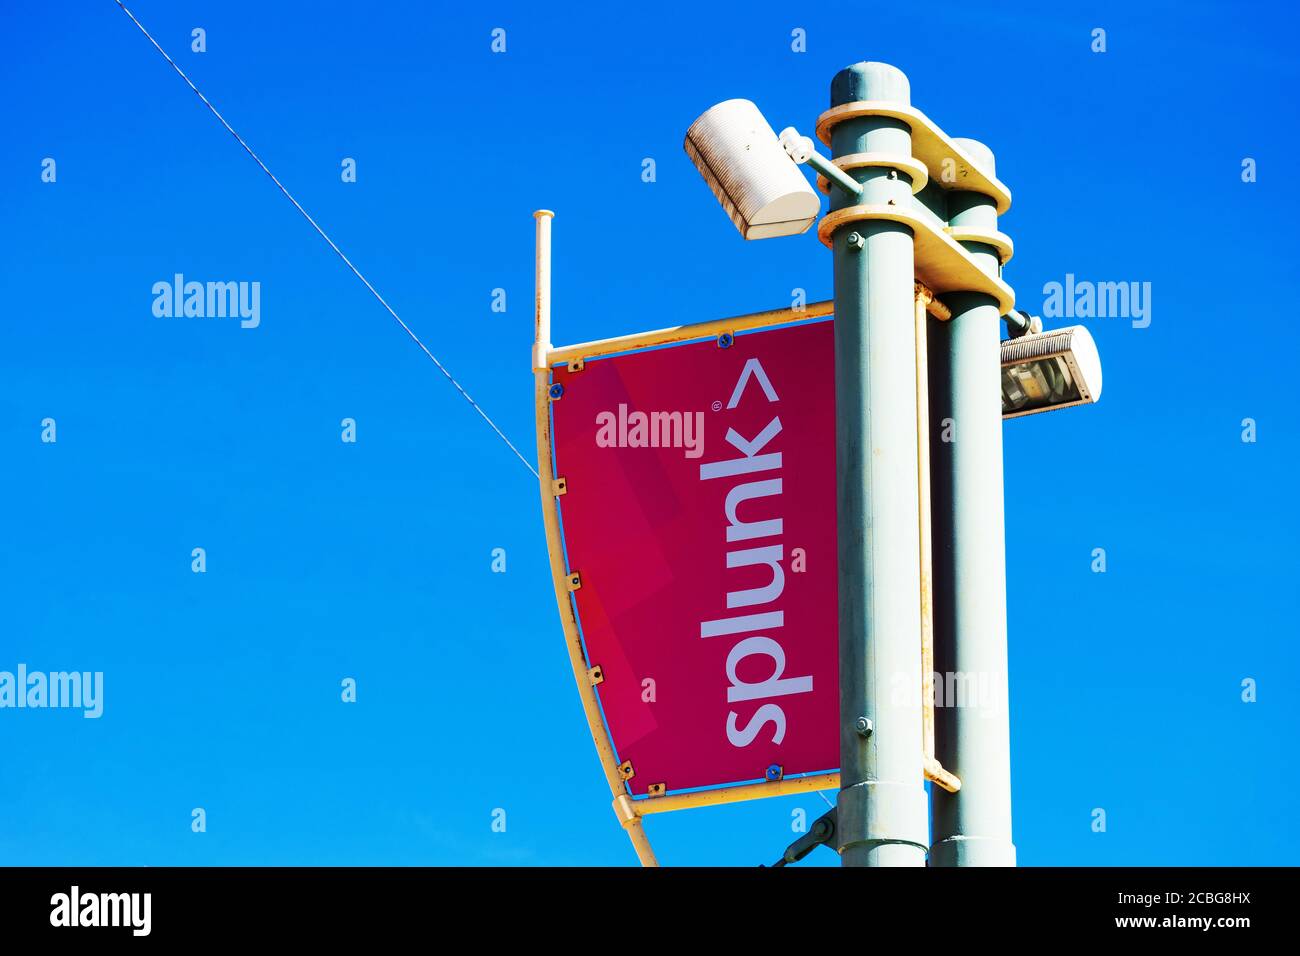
x: 947, y: 163
x: 630, y: 812
x: 941, y: 264
x: 687, y: 333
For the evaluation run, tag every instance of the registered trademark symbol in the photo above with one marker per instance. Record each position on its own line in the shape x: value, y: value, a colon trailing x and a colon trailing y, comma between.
x: 717, y: 406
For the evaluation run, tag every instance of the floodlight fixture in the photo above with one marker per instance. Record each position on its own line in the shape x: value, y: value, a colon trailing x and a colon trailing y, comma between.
x: 752, y: 176
x: 1044, y: 371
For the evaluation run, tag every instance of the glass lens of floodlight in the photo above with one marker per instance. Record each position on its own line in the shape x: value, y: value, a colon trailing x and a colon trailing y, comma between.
x: 1034, y: 385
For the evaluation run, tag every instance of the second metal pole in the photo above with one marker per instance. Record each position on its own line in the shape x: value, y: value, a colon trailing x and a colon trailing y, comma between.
x: 973, y: 826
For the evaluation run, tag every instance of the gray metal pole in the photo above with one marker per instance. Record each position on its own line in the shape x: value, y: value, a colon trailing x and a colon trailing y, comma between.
x: 882, y: 805
x: 973, y: 826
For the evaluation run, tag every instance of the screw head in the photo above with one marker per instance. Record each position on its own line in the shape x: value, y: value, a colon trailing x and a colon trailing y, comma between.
x: 856, y: 242
x: 773, y: 772
x: 556, y: 390
x: 725, y: 340
x: 864, y: 726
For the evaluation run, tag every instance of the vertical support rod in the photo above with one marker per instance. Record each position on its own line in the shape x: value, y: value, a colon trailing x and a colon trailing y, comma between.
x: 542, y: 290
x: 882, y: 803
x: 923, y: 509
x: 973, y: 826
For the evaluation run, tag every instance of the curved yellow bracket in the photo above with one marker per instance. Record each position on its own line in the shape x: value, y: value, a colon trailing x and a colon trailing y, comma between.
x: 554, y: 545
x: 577, y: 658
x: 949, y: 165
x: 941, y: 264
x: 1000, y: 241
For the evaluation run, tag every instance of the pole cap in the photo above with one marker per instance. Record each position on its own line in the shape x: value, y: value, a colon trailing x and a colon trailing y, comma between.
x: 978, y: 152
x: 870, y: 81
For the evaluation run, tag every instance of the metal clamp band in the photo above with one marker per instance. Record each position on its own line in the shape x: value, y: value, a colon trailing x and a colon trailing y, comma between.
x: 931, y: 145
x: 920, y: 175
x: 940, y: 263
x: 990, y: 237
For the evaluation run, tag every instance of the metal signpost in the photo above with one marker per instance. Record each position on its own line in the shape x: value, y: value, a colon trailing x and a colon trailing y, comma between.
x: 707, y: 505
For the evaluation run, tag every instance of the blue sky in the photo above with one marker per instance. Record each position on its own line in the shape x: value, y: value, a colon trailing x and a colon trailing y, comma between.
x: 373, y: 560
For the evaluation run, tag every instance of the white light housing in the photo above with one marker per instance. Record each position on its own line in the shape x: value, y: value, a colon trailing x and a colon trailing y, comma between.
x: 1049, y: 370
x: 739, y: 156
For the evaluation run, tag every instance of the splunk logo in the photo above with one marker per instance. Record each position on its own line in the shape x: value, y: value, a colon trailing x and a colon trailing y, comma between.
x: 759, y: 459
x: 624, y: 429
x: 56, y: 689
x: 75, y: 908
x: 210, y: 300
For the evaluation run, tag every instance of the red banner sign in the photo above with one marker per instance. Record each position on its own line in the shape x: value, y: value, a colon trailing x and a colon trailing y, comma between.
x: 700, y: 516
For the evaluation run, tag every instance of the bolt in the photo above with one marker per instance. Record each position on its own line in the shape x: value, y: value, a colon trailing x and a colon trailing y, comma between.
x: 864, y: 726
x: 725, y: 340
x: 557, y: 390
x: 856, y: 242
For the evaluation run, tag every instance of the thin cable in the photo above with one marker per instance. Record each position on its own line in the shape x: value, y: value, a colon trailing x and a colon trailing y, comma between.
x: 346, y: 261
